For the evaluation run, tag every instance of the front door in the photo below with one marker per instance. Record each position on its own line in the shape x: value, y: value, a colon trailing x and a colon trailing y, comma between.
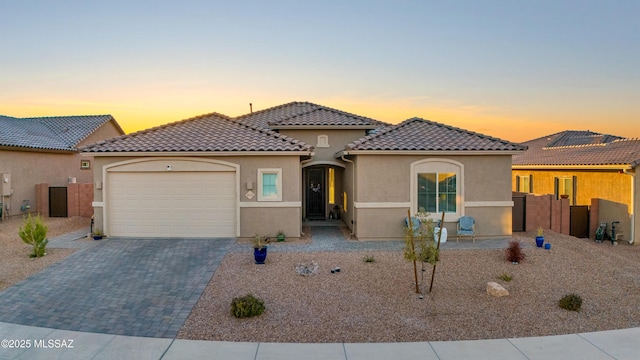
x: 315, y: 193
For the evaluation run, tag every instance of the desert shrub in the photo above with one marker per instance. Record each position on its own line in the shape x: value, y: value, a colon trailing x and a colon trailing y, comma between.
x: 514, y: 252
x: 369, y: 259
x: 571, y: 302
x: 505, y: 277
x: 424, y: 248
x: 34, y: 232
x: 246, y: 306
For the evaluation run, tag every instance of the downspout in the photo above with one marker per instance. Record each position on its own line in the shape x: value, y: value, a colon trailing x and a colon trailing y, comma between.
x: 633, y: 206
x: 353, y: 188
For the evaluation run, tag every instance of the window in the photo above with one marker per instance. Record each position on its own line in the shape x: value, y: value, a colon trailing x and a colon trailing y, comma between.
x: 437, y: 192
x: 524, y: 183
x: 269, y: 184
x: 437, y: 186
x: 332, y: 186
x: 85, y: 164
x: 323, y: 141
x: 566, y: 187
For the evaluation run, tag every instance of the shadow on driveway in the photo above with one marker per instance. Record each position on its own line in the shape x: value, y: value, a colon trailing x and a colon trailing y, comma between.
x: 135, y: 287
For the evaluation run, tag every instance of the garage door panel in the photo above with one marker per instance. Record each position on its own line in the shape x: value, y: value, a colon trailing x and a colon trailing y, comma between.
x: 172, y: 204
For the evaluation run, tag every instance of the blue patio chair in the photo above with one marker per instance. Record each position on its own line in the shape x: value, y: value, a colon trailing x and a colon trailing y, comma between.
x: 415, y: 222
x: 466, y: 227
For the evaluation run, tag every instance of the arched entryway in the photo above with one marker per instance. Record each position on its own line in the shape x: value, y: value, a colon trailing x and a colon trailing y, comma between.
x: 322, y: 191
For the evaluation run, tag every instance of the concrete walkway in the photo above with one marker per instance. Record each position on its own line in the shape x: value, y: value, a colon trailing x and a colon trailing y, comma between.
x: 45, y: 343
x: 155, y: 295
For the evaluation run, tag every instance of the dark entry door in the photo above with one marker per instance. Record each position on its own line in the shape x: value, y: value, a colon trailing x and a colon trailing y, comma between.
x: 315, y: 193
x: 518, y: 214
x: 57, y: 202
x: 579, y: 218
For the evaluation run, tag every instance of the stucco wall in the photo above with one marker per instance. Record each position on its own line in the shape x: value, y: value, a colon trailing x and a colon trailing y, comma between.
x: 384, y: 194
x: 610, y: 185
x: 30, y: 168
x: 255, y: 217
x: 337, y: 140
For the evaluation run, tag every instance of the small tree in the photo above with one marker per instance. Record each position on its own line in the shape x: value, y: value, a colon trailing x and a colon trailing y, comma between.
x: 34, y: 232
x: 424, y: 249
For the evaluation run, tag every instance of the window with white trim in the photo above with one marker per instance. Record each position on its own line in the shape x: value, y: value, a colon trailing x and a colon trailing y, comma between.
x: 437, y: 192
x: 436, y: 187
x: 269, y: 184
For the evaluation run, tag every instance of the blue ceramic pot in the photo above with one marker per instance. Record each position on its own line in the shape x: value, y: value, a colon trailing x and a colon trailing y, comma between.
x: 539, y: 241
x: 260, y: 255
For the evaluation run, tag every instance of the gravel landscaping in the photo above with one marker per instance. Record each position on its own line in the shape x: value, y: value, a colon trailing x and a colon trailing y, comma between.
x: 377, y: 302
x: 15, y: 262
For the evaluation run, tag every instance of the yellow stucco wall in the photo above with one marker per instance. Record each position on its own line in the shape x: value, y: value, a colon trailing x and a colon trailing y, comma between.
x: 612, y: 186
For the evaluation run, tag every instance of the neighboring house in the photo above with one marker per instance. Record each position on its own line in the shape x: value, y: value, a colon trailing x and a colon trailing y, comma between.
x: 216, y: 176
x: 45, y: 150
x: 584, y: 166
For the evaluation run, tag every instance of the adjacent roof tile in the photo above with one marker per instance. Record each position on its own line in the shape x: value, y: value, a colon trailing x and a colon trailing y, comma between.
x: 580, y: 148
x: 417, y: 134
x: 49, y: 133
x: 210, y: 132
x: 306, y: 114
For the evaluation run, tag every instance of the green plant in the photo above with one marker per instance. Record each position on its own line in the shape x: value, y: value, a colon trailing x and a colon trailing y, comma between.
x: 34, y: 232
x: 571, y: 302
x: 505, y: 277
x: 514, y: 252
x: 246, y: 306
x: 280, y: 235
x: 540, y: 232
x: 424, y: 248
x: 260, y: 241
x: 369, y: 259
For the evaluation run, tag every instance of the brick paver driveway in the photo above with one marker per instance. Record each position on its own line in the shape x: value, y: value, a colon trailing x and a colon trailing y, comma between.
x: 137, y: 287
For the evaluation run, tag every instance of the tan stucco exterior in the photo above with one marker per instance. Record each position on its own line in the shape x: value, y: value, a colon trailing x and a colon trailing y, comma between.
x: 28, y: 168
x: 384, y: 194
x: 255, y: 217
x: 615, y: 188
x: 374, y: 191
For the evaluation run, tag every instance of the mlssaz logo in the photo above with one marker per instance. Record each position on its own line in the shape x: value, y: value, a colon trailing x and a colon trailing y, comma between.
x: 54, y: 344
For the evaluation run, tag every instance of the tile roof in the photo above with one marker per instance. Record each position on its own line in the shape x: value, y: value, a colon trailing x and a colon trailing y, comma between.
x: 580, y: 148
x: 417, y: 134
x: 49, y: 133
x: 210, y: 132
x: 305, y: 114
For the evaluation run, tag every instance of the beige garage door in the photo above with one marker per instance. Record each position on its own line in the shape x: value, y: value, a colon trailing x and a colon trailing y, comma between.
x: 172, y: 204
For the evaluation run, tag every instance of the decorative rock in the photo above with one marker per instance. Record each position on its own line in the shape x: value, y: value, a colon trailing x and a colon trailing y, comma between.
x: 308, y: 268
x: 495, y: 289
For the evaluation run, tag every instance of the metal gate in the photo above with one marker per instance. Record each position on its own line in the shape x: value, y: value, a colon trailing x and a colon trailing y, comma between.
x: 58, y: 202
x: 579, y: 218
x: 518, y: 213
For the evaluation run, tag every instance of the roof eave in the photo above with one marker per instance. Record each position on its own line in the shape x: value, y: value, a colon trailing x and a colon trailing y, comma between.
x: 323, y: 127
x: 429, y: 152
x: 197, y: 153
x: 36, y: 149
x: 573, y: 166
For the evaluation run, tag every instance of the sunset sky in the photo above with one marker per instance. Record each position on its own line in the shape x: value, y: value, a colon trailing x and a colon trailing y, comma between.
x: 511, y: 69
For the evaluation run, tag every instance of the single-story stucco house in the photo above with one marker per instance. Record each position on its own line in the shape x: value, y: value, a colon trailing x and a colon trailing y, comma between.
x: 217, y: 176
x: 44, y: 150
x: 593, y: 170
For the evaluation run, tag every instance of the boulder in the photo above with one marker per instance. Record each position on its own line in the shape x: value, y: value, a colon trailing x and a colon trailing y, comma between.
x: 495, y: 289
